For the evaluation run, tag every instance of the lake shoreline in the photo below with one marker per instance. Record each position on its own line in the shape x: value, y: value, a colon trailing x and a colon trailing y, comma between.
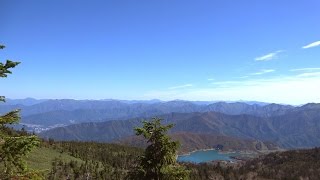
x: 189, y: 153
x: 199, y: 156
x: 219, y: 151
x: 231, y: 155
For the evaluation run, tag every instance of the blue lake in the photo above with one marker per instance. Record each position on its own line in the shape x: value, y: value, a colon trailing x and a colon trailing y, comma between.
x: 206, y: 156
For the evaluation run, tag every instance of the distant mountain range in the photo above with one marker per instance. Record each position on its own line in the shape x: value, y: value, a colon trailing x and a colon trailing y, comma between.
x: 288, y: 127
x: 114, y: 120
x: 25, y: 102
x: 51, y: 113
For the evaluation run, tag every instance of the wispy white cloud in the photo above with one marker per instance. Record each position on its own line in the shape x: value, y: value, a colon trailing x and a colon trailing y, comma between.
x: 293, y: 89
x: 263, y: 71
x: 211, y: 79
x: 269, y: 56
x: 246, y: 82
x: 311, y: 45
x: 305, y: 69
x: 225, y: 83
x: 181, y: 86
x: 309, y: 74
x: 243, y: 77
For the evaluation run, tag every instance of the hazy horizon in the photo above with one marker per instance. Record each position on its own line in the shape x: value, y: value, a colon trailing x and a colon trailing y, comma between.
x: 264, y: 51
x: 160, y: 100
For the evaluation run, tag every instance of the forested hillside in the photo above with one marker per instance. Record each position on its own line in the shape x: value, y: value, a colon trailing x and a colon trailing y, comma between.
x: 196, y: 141
x: 81, y: 160
x: 293, y: 165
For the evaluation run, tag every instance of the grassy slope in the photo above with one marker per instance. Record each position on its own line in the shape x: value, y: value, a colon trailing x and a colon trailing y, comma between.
x: 40, y: 158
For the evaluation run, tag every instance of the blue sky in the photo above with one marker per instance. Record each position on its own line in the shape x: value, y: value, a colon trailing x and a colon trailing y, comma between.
x: 194, y: 50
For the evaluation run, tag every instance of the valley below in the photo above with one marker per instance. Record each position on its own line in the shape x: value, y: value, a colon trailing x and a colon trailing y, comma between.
x: 224, y: 139
x: 251, y: 126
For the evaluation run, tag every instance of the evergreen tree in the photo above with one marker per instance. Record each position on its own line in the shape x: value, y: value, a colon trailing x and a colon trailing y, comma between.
x: 13, y: 145
x: 159, y: 159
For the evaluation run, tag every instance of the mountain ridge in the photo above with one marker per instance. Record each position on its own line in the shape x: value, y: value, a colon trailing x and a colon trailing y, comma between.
x: 68, y: 111
x: 298, y: 128
x: 194, y: 141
